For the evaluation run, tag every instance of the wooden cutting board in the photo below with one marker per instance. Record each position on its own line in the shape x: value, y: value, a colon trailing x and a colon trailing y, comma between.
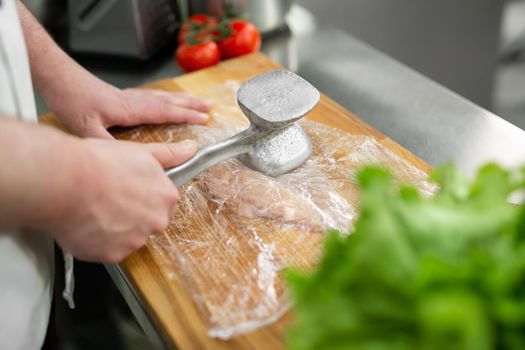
x: 167, y: 300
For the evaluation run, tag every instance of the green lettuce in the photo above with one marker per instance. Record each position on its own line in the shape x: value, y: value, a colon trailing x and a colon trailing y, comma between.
x: 446, y: 272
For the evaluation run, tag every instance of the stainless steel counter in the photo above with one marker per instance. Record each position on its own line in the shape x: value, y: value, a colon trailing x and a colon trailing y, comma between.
x: 429, y: 120
x: 426, y: 118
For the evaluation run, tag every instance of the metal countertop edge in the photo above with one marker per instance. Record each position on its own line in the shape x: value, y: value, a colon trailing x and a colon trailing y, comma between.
x: 138, y: 308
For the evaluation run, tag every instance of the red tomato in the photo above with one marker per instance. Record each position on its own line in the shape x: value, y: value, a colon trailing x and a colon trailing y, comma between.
x: 183, y: 33
x: 199, y: 25
x: 242, y: 39
x: 200, y: 18
x: 193, y: 57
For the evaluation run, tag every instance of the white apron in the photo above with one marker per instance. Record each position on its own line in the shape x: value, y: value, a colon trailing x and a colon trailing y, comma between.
x: 26, y: 258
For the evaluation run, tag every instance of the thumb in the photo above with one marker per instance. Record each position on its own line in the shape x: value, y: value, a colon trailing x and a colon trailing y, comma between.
x: 172, y: 154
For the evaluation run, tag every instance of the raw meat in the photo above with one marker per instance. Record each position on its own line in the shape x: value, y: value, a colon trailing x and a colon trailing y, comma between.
x: 256, y: 195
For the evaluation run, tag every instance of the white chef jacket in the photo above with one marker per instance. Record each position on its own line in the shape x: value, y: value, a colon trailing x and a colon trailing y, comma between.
x: 26, y: 258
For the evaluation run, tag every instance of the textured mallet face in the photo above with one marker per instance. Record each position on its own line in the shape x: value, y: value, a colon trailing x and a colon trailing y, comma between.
x: 277, y: 98
x: 280, y: 152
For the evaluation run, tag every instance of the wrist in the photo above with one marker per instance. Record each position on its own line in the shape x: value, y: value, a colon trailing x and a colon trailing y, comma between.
x: 38, y: 185
x: 75, y: 96
x: 55, y: 192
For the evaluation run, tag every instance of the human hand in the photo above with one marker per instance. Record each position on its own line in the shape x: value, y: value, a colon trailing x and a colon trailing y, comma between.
x: 86, y: 104
x: 101, y: 106
x: 120, y: 195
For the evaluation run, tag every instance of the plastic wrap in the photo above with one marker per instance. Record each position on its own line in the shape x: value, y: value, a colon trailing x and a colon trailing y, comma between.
x: 236, y: 229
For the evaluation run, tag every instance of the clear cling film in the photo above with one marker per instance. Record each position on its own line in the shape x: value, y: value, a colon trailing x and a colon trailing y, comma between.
x: 236, y: 230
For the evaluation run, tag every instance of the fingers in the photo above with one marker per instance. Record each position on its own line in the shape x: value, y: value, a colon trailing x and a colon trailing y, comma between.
x: 99, y: 132
x: 177, y: 114
x: 171, y: 154
x: 158, y: 107
x: 188, y: 101
x: 182, y: 99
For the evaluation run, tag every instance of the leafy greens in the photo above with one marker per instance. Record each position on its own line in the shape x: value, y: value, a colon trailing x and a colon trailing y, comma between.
x: 446, y: 272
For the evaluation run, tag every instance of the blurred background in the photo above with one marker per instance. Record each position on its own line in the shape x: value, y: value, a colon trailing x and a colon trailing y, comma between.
x: 475, y: 48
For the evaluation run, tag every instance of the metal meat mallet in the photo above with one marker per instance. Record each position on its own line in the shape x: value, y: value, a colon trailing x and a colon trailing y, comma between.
x: 273, y: 143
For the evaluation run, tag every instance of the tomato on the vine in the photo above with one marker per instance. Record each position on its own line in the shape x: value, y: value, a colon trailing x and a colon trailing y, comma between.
x: 201, y: 18
x: 191, y: 57
x: 200, y: 26
x: 203, y: 41
x: 241, y: 37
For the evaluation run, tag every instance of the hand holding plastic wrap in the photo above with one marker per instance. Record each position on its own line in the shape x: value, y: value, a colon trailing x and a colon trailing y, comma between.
x: 236, y: 229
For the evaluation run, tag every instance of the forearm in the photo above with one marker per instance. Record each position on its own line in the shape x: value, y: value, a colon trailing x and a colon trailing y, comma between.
x: 86, y: 105
x: 55, y: 75
x: 32, y: 179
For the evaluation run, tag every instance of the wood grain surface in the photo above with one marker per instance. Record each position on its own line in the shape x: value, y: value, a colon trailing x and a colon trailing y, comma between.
x: 167, y: 300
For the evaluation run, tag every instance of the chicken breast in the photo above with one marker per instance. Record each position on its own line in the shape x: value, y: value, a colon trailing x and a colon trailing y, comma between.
x: 255, y: 195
